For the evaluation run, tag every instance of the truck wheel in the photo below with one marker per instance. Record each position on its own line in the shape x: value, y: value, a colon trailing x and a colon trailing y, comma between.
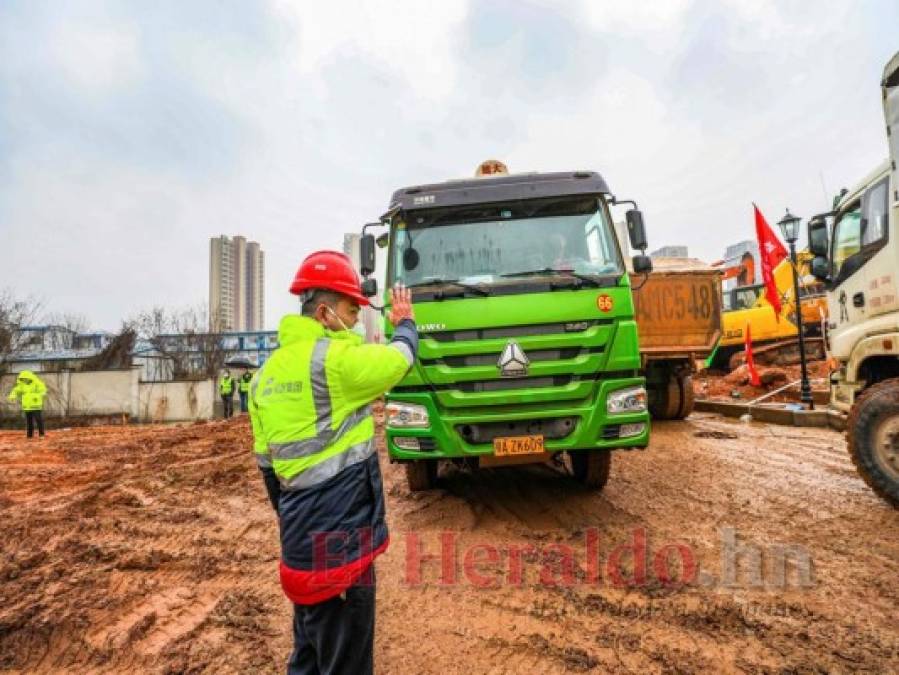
x: 687, y: 396
x: 421, y: 474
x: 873, y: 434
x: 591, y: 467
x: 665, y: 401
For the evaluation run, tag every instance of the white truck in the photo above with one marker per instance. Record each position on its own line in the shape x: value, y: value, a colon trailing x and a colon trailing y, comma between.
x: 859, y: 262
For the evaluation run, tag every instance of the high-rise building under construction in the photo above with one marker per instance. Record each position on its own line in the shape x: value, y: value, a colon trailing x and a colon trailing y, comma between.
x: 236, y: 284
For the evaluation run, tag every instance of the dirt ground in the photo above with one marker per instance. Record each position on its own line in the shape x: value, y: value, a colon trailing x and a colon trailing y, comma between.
x: 722, y: 386
x: 153, y: 549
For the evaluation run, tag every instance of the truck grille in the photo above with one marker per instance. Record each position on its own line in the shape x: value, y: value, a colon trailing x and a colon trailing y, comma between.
x: 512, y: 331
x: 534, y: 356
x: 514, y: 383
x: 511, y: 384
x: 553, y: 428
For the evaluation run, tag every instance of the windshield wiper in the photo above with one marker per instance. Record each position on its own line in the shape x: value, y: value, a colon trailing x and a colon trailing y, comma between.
x: 437, y: 281
x: 551, y: 270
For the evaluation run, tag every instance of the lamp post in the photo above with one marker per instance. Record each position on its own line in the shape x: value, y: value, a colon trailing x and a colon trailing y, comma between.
x: 789, y: 226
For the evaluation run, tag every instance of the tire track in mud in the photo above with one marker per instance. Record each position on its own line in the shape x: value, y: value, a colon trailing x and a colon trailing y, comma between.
x: 171, y: 565
x: 783, y: 486
x: 141, y: 571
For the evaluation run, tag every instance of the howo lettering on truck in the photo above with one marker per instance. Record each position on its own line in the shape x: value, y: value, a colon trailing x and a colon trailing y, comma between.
x: 528, y: 345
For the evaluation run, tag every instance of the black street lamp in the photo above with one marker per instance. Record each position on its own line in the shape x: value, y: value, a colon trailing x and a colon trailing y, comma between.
x: 789, y: 226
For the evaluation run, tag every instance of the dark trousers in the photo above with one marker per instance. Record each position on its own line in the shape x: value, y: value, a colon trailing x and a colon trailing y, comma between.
x: 336, y: 637
x: 33, y: 417
x: 228, y: 401
x: 244, y: 395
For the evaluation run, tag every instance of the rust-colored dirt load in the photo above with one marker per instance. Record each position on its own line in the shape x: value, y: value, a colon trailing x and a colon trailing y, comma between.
x: 153, y: 549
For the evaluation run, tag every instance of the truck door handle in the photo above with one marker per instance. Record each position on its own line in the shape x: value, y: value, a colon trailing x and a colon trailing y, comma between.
x: 858, y: 300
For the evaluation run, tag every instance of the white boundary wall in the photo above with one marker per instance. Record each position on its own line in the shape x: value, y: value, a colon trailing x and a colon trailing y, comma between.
x: 117, y: 392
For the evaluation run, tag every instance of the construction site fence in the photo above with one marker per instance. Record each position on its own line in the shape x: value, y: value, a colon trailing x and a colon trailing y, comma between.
x: 116, y: 394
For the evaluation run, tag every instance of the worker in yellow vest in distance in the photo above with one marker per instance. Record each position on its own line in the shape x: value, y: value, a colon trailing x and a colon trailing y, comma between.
x: 30, y: 391
x: 243, y: 389
x: 226, y: 391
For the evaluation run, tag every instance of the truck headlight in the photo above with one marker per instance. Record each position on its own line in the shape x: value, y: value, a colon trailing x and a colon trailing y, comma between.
x: 630, y: 400
x: 406, y: 416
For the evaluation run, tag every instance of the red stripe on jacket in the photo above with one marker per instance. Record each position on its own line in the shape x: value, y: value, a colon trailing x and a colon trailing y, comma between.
x: 314, y: 586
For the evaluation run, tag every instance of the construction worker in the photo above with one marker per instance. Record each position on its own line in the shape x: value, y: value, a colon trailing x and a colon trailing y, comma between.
x: 226, y: 391
x: 30, y: 391
x: 310, y: 407
x: 243, y: 388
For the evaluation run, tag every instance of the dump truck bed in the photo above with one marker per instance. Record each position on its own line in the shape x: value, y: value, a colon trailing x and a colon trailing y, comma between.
x: 678, y: 309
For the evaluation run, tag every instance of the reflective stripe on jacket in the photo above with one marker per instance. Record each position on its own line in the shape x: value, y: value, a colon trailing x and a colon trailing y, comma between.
x: 30, y: 390
x: 310, y: 410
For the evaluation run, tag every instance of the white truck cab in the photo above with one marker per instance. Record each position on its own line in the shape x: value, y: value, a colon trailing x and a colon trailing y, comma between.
x: 859, y: 261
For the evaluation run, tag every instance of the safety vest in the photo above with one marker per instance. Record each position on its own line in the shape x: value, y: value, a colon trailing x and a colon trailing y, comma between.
x: 30, y: 389
x: 244, y: 384
x: 309, y: 403
x: 226, y: 385
x: 311, y: 416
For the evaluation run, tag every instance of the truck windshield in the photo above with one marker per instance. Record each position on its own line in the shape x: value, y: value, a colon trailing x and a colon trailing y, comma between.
x: 496, y: 243
x: 847, y: 240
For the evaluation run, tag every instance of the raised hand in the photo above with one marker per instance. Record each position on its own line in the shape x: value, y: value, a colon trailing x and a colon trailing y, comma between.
x: 400, y: 305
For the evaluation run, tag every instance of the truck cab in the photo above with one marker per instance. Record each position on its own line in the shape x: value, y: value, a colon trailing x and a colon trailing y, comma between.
x: 863, y: 295
x: 859, y: 262
x: 528, y: 336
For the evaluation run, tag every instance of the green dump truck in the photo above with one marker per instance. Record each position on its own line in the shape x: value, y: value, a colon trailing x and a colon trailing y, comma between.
x: 528, y: 333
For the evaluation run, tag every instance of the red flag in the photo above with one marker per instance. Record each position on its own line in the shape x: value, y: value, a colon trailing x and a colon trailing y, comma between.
x: 772, y: 252
x: 750, y: 361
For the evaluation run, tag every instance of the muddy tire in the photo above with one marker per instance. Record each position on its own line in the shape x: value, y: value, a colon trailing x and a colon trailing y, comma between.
x: 591, y: 467
x: 873, y: 434
x: 421, y: 474
x: 687, y: 396
x: 665, y: 401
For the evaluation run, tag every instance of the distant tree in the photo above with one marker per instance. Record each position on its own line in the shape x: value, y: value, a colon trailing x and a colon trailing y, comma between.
x: 15, y: 313
x: 183, y: 336
x: 117, y: 354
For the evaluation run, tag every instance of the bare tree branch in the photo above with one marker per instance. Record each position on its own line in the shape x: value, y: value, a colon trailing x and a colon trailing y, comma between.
x: 183, y: 336
x: 15, y: 313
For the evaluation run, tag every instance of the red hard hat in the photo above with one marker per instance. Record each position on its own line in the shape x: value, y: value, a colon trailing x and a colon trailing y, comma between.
x: 330, y: 270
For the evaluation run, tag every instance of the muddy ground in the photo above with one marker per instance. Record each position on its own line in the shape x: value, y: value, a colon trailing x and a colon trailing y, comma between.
x: 153, y: 549
x: 735, y: 385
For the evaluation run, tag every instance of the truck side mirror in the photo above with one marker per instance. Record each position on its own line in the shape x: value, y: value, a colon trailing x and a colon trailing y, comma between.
x: 642, y: 264
x: 820, y: 268
x: 367, y: 254
x: 817, y: 237
x: 382, y: 240
x: 636, y: 230
x: 370, y: 288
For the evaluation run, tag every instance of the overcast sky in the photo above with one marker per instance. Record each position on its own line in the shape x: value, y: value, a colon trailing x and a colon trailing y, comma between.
x: 131, y: 132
